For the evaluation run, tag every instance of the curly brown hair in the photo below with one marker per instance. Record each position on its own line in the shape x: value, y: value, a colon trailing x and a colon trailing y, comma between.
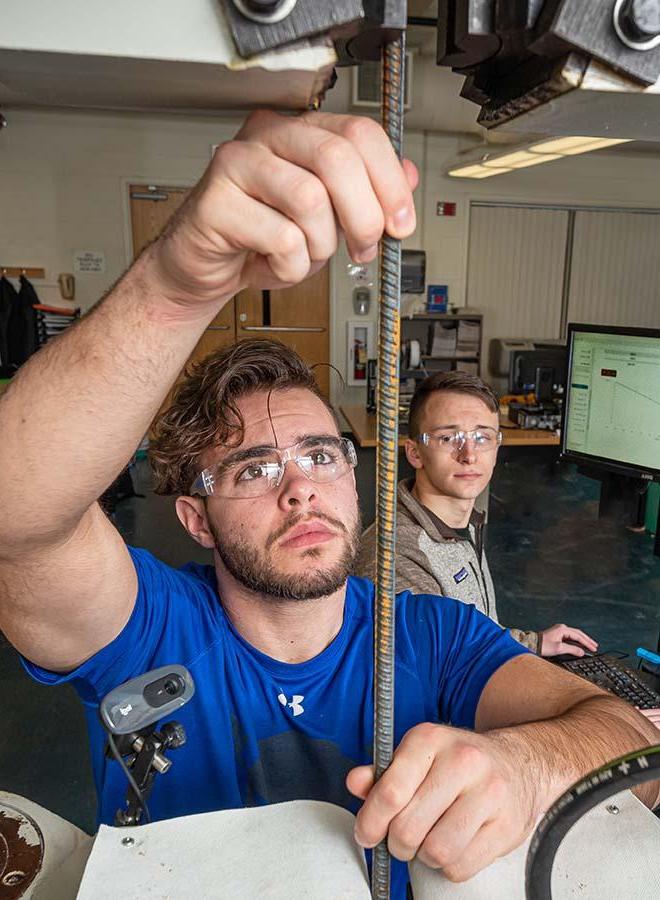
x: 204, y: 410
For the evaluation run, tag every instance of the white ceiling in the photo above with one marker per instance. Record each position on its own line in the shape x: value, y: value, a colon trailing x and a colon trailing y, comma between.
x: 151, y: 55
x: 194, y: 69
x: 145, y: 56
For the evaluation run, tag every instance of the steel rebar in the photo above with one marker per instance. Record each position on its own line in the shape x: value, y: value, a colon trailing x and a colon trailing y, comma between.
x: 393, y: 61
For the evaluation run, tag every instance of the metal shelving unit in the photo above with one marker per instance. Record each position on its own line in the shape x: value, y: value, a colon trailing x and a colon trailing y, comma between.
x: 422, y: 326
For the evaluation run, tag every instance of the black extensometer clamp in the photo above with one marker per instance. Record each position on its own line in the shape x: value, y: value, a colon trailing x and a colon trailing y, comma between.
x: 129, y: 714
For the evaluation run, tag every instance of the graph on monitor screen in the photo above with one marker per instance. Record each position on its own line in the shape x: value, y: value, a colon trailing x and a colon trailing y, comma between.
x: 614, y: 398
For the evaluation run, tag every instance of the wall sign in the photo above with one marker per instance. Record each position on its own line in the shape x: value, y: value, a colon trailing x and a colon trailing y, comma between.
x: 89, y: 262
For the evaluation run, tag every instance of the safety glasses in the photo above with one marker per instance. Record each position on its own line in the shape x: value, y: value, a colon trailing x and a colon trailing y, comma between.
x: 255, y: 471
x: 482, y: 440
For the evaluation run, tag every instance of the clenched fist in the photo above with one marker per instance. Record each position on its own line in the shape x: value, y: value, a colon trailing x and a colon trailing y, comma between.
x: 273, y: 202
x: 454, y: 799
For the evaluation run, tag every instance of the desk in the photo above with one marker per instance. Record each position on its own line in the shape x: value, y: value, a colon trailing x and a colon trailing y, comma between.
x: 363, y: 426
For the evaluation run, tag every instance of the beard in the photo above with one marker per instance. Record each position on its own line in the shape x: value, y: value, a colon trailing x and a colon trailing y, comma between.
x: 251, y: 566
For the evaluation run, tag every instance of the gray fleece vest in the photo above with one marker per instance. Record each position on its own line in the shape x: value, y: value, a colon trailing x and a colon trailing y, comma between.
x: 431, y: 558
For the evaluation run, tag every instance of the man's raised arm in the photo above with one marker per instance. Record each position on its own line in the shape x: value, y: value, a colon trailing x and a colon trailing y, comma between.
x: 266, y: 214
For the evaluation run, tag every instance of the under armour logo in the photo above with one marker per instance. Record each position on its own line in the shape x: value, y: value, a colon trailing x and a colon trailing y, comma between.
x: 295, y: 704
x: 124, y: 710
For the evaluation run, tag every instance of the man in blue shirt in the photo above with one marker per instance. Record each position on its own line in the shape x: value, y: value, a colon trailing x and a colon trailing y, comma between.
x: 276, y: 636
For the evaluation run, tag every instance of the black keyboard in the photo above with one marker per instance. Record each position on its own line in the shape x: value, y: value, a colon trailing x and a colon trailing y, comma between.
x: 615, y: 679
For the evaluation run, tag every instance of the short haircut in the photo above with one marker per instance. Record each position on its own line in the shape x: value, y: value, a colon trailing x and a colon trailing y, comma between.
x: 204, y: 411
x: 448, y: 383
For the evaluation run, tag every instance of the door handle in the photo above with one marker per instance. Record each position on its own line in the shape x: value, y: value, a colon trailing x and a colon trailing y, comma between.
x: 317, y: 329
x: 218, y: 328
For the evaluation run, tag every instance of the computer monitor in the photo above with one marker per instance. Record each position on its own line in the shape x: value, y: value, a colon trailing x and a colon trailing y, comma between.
x: 611, y: 416
x: 523, y: 366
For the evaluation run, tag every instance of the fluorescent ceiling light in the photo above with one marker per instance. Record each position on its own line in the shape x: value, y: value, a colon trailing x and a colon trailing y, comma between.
x: 569, y: 146
x: 496, y: 163
x: 519, y: 160
x: 475, y: 171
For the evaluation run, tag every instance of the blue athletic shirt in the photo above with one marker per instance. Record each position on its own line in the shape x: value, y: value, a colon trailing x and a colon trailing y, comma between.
x: 261, y: 731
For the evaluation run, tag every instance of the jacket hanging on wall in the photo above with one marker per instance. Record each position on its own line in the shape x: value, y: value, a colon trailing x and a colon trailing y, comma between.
x: 23, y: 335
x: 8, y: 302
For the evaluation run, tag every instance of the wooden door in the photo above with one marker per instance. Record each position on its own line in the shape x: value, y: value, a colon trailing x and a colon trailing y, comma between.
x: 298, y: 316
x: 151, y: 209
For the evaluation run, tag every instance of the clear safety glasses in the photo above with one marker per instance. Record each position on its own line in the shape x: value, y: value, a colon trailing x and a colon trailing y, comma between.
x: 255, y: 471
x: 482, y: 440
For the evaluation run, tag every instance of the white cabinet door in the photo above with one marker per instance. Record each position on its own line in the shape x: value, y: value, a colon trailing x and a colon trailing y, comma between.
x: 516, y: 270
x: 615, y: 274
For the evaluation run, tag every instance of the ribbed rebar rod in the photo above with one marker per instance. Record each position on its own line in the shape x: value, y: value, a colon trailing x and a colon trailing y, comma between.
x: 389, y: 327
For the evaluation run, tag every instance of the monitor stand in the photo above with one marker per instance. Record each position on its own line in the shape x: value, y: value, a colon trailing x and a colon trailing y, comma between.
x: 622, y: 497
x: 622, y: 494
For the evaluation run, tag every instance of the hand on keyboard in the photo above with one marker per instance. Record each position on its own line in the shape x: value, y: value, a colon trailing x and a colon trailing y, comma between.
x: 619, y: 680
x: 560, y: 639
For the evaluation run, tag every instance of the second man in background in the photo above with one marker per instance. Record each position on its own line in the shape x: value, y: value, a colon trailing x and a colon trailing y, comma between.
x: 454, y: 435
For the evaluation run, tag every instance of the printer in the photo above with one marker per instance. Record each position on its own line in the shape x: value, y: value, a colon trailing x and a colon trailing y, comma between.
x: 500, y: 350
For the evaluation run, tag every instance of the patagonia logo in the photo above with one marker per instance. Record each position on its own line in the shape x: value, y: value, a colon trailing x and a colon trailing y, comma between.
x: 461, y: 575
